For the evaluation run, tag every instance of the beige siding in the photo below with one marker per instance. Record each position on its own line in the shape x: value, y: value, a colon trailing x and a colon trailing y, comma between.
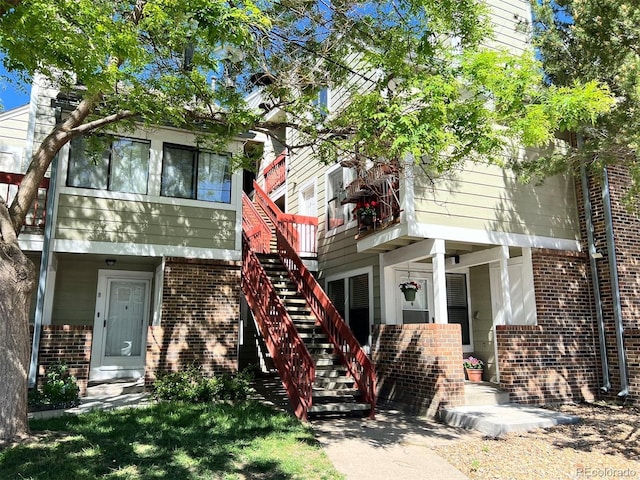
x: 505, y: 17
x: 489, y: 198
x: 483, y: 339
x: 108, y: 220
x: 76, y: 284
x: 13, y: 136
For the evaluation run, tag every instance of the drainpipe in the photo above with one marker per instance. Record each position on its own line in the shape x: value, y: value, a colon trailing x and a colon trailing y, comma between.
x: 594, y: 277
x: 44, y: 267
x: 615, y: 286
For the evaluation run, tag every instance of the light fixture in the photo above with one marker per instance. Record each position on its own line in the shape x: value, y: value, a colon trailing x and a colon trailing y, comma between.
x: 110, y: 262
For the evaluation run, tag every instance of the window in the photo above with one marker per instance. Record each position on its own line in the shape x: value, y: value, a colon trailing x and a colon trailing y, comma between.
x: 123, y: 166
x: 338, y: 214
x: 191, y: 173
x: 350, y: 295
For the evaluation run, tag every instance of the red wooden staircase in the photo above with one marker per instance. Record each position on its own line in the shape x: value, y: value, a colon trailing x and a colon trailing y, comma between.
x: 322, y: 366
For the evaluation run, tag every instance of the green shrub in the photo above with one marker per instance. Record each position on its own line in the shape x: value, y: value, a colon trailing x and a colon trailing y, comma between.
x: 59, y: 389
x: 192, y: 386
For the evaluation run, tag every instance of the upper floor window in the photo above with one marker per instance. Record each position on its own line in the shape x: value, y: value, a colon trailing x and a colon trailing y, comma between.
x: 192, y: 173
x: 337, y: 180
x: 123, y: 166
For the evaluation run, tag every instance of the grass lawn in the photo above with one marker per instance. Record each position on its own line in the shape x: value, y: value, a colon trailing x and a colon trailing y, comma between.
x: 170, y: 441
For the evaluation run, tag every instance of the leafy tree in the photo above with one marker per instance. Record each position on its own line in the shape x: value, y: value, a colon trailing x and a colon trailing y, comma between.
x: 594, y: 41
x: 421, y: 83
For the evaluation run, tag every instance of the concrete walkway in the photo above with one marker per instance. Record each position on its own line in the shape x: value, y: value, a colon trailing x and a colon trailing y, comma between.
x: 393, y: 446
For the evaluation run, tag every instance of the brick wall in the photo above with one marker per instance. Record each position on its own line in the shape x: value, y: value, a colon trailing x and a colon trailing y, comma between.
x: 556, y: 360
x: 419, y: 366
x: 70, y: 344
x: 200, y: 315
x: 626, y: 229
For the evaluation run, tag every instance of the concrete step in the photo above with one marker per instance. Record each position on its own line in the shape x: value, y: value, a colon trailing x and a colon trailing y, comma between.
x: 496, y: 420
x: 484, y: 393
x: 123, y: 386
x: 343, y: 408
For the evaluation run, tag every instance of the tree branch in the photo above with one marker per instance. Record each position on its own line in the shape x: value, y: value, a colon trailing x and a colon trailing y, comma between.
x: 7, y: 233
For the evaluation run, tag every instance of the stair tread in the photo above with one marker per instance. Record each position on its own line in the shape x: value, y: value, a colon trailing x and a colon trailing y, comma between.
x: 339, y: 407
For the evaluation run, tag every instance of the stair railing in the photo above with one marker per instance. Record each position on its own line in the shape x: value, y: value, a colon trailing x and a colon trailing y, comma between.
x: 300, y: 230
x: 254, y: 227
x: 287, y: 350
x: 345, y: 344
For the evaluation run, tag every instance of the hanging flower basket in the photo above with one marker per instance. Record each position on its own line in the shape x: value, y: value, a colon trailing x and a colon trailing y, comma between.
x: 367, y: 219
x: 409, y: 289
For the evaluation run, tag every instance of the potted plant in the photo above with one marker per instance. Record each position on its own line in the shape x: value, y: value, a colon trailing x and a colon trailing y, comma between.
x: 367, y: 212
x: 473, y: 367
x: 409, y: 289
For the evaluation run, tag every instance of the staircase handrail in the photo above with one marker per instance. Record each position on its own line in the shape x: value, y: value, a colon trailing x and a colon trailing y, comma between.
x: 288, y: 221
x: 257, y: 230
x: 289, y: 353
x: 345, y: 343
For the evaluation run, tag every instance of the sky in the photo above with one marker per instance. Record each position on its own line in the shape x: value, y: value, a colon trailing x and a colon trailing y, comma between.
x: 11, y: 95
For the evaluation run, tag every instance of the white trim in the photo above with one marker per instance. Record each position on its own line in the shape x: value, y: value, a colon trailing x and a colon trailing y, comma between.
x: 158, y: 282
x: 467, y: 235
x: 30, y: 242
x: 148, y: 250
x: 31, y: 125
x: 353, y: 273
x: 49, y: 294
x: 486, y: 237
x: 411, y: 253
x: 138, y: 197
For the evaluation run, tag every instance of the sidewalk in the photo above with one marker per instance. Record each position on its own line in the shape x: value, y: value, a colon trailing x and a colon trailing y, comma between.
x: 393, y: 446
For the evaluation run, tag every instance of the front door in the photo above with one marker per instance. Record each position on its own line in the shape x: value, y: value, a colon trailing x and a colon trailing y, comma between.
x: 120, y: 326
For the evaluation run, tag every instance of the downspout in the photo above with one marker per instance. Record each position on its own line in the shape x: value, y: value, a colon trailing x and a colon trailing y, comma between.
x: 615, y: 286
x: 594, y: 278
x: 44, y: 267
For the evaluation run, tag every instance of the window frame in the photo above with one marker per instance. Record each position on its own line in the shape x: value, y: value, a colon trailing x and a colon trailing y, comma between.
x: 109, y: 172
x: 195, y: 165
x: 350, y: 221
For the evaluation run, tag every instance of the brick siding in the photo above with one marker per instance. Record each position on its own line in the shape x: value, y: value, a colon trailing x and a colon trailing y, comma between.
x: 556, y: 360
x: 200, y: 315
x: 419, y: 366
x: 70, y: 344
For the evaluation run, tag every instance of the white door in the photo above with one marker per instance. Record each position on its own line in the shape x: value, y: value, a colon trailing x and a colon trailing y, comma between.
x: 120, y: 326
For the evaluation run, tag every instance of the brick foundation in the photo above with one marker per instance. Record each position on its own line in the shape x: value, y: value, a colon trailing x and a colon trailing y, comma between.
x: 419, y: 366
x: 200, y: 316
x: 70, y: 344
x: 556, y: 360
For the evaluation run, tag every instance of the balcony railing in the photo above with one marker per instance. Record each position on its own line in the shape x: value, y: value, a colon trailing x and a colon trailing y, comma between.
x: 275, y: 174
x: 300, y: 230
x: 36, y: 217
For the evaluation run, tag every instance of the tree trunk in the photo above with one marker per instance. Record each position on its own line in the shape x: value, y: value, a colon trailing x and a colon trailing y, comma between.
x: 17, y: 281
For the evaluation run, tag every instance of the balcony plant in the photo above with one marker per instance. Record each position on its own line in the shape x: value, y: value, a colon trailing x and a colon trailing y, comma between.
x: 366, y: 212
x: 409, y: 289
x: 473, y: 367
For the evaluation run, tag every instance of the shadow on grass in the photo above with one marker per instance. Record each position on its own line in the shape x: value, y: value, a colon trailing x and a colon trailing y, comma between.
x: 169, y: 440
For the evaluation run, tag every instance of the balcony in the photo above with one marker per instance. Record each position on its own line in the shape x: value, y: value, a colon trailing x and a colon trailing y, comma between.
x: 375, y: 189
x: 35, y: 220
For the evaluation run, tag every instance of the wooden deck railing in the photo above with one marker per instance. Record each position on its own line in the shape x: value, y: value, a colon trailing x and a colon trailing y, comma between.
x: 289, y: 354
x: 36, y: 217
x: 345, y: 344
x: 275, y: 174
x: 254, y: 227
x: 301, y: 231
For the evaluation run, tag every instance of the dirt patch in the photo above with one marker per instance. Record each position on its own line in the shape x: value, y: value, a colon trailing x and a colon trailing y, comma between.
x: 605, y: 444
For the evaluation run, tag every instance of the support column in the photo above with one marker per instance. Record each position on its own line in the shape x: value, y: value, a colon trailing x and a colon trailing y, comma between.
x: 439, y: 283
x: 505, y: 286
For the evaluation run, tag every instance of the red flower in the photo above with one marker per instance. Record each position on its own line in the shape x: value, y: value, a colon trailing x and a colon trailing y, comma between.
x: 373, y: 203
